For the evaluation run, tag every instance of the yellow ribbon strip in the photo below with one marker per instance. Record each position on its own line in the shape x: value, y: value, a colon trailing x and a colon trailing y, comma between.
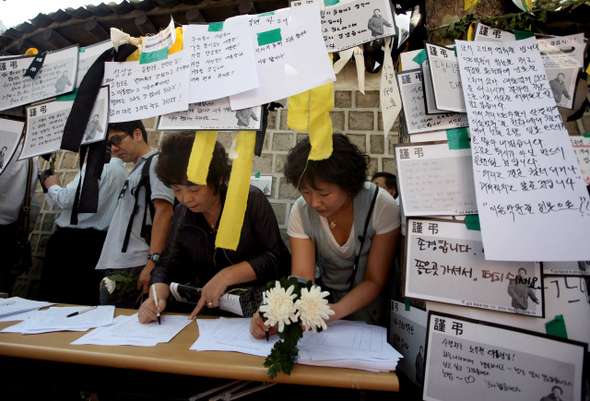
x: 232, y: 219
x: 201, y: 154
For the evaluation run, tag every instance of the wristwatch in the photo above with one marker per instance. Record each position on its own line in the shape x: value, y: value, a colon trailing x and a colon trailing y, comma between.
x: 153, y: 257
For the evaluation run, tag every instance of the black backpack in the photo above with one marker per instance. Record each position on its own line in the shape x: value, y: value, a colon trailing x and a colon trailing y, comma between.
x: 144, y: 181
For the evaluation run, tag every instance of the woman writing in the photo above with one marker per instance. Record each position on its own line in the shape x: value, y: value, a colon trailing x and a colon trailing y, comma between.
x: 190, y: 254
x: 343, y: 231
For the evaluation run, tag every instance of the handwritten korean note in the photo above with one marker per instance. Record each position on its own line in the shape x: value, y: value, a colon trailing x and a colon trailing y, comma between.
x: 582, y: 148
x: 532, y: 201
x: 468, y: 360
x: 435, y: 180
x: 446, y: 82
x: 391, y: 102
x: 351, y: 23
x: 56, y: 77
x: 412, y: 94
x: 290, y: 55
x: 45, y: 128
x: 146, y: 90
x: 446, y: 263
x: 222, y: 59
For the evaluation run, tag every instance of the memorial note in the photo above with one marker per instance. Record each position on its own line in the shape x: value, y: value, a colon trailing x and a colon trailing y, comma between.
x: 10, y: 134
x: 446, y: 83
x: 56, y: 77
x: 445, y: 263
x: 351, y: 23
x: 290, y: 55
x: 147, y: 90
x: 533, y: 204
x: 435, y: 180
x: 412, y: 94
x: 469, y: 360
x: 222, y: 59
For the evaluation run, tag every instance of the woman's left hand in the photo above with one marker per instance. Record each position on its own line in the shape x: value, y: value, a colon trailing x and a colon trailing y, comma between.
x: 210, y: 294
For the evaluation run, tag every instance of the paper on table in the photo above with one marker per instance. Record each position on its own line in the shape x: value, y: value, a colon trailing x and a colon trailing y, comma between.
x: 14, y: 305
x: 55, y: 319
x: 346, y: 344
x: 230, y: 335
x: 128, y: 330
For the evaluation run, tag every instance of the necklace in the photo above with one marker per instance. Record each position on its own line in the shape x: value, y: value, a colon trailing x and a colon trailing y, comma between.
x: 332, y: 224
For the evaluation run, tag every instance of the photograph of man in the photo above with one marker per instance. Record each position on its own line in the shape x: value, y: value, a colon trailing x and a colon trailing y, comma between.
x: 376, y: 23
x: 62, y: 83
x: 92, y: 129
x: 555, y: 395
x: 558, y: 87
x: 2, y: 156
x: 244, y: 117
x: 521, y: 290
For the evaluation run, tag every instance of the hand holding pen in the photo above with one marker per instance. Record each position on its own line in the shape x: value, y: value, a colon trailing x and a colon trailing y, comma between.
x: 156, y: 302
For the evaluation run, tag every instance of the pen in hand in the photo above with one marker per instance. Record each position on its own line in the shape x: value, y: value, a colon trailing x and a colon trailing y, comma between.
x: 264, y: 303
x: 156, y: 301
x: 81, y: 311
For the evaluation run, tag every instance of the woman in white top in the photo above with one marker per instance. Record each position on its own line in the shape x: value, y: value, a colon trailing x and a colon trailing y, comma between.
x: 343, y: 231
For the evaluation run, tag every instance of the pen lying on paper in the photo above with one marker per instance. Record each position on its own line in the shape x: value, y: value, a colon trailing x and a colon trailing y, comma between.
x: 81, y: 311
x: 156, y: 301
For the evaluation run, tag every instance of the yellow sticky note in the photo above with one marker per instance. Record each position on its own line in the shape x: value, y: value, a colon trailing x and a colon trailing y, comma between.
x: 201, y: 154
x: 232, y: 219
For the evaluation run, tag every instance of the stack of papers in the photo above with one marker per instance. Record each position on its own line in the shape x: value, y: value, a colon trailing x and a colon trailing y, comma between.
x: 344, y: 344
x: 348, y: 344
x: 16, y: 308
x: 127, y: 330
x: 56, y: 319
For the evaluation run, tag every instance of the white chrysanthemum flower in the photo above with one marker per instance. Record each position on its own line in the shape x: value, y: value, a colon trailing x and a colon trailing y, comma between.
x: 313, y: 308
x: 280, y: 307
x: 110, y: 284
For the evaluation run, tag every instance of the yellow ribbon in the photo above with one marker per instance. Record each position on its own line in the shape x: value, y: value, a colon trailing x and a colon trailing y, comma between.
x: 232, y: 219
x: 201, y: 154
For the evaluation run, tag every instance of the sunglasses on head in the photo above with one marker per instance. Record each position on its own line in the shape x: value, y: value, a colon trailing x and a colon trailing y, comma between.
x: 115, y: 140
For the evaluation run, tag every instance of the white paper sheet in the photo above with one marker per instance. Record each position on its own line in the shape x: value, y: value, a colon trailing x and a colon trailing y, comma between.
x: 55, y: 319
x: 290, y: 54
x: 127, y: 330
x: 533, y: 204
x: 56, y: 77
x: 389, y: 97
x: 222, y: 62
x: 15, y: 305
x: 140, y: 91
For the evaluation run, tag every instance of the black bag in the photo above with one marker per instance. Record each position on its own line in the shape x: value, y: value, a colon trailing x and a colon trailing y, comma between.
x: 146, y: 229
x: 23, y: 259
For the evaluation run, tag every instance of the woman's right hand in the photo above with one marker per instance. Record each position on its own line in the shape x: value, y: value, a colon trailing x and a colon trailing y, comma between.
x: 258, y: 328
x: 148, y: 312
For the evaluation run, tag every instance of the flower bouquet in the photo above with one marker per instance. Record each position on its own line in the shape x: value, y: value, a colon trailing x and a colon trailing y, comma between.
x: 295, y: 307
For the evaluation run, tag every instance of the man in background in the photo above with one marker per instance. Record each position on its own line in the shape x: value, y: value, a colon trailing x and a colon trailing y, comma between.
x: 131, y: 248
x: 69, y: 274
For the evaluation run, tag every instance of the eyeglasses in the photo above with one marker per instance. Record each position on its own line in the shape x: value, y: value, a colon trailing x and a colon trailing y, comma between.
x: 115, y: 140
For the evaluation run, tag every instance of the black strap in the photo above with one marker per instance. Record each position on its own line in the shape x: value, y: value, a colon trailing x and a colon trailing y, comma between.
x: 26, y: 209
x: 361, y: 238
x: 144, y: 181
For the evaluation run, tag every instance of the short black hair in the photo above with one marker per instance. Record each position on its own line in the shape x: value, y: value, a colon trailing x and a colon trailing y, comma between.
x: 390, y: 180
x: 522, y: 268
x: 346, y: 167
x: 174, y: 157
x: 128, y: 127
x: 557, y: 387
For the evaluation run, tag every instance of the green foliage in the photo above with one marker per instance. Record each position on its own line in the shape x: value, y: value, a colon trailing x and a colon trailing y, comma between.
x: 284, y: 353
x: 124, y: 283
x: 522, y: 21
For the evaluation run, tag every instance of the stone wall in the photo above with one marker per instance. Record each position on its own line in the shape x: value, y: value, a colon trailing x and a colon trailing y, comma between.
x: 356, y: 114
